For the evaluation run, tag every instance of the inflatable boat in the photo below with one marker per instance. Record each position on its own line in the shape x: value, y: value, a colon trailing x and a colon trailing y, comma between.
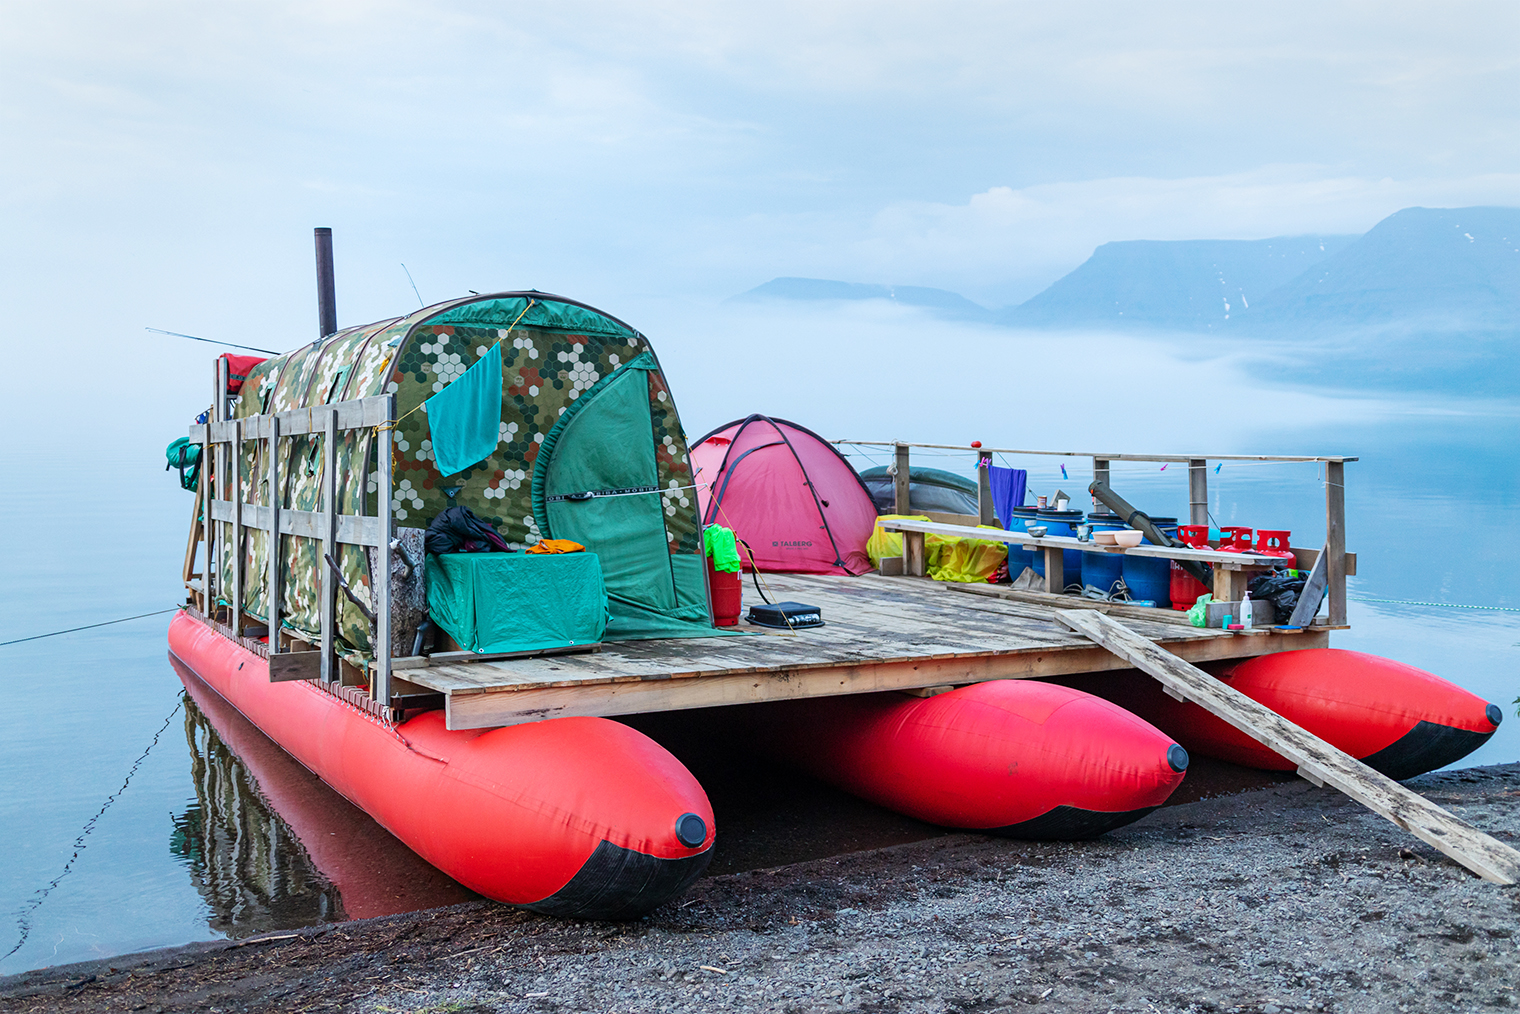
x: 1392, y: 717
x: 1018, y: 758
x: 579, y: 817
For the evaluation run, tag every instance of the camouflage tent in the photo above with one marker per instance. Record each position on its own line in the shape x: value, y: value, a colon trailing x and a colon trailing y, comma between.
x: 584, y: 408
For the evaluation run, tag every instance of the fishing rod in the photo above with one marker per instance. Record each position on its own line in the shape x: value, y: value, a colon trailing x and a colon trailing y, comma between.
x: 211, y: 341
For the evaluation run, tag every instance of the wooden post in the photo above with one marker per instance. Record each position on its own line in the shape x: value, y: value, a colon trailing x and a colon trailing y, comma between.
x: 1335, y: 539
x: 237, y: 527
x: 1055, y: 571
x: 1229, y: 585
x: 204, y: 494
x: 915, y: 563
x: 900, y: 499
x: 329, y: 543
x: 1198, y: 492
x: 912, y: 551
x: 219, y: 483
x: 985, y: 513
x: 381, y: 691
x: 272, y: 542
x: 194, y: 542
x: 1100, y: 474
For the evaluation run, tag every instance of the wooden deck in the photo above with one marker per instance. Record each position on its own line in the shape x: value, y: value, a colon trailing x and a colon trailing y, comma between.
x: 882, y: 633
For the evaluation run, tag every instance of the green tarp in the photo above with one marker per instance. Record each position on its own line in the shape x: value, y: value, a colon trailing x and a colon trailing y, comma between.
x: 500, y: 602
x: 604, y: 446
x: 464, y: 419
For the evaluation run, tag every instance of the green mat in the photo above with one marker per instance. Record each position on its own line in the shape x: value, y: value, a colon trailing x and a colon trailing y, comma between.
x: 504, y: 602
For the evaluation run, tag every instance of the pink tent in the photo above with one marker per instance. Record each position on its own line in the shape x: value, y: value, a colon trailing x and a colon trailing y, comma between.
x: 787, y: 493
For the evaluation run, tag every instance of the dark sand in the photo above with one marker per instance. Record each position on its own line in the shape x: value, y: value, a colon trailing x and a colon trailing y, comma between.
x: 1285, y: 898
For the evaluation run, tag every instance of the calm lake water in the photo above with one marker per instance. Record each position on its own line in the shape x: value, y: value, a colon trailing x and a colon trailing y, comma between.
x: 133, y: 815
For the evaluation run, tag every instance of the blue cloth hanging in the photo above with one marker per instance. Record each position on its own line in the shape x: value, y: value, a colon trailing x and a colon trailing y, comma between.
x: 464, y: 419
x: 1007, y: 490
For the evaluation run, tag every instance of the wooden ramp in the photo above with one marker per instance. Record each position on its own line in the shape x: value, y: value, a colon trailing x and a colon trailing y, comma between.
x: 1317, y: 760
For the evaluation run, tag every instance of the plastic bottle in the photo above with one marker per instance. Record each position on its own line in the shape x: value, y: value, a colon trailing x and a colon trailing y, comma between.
x: 1245, y: 611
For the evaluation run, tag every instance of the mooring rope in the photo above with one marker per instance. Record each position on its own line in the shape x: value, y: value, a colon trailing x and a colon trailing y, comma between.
x: 24, y: 916
x: 90, y: 626
x: 1439, y: 605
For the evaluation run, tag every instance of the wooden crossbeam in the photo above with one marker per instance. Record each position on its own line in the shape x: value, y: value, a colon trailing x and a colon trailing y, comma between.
x: 1317, y: 761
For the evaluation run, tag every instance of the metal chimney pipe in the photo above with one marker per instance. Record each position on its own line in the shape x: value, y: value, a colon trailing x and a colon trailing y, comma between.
x: 327, y: 300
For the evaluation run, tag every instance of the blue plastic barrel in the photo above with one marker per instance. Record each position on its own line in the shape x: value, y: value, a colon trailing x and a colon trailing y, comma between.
x: 1018, y: 556
x: 1061, y: 523
x: 1100, y: 569
x: 1150, y: 577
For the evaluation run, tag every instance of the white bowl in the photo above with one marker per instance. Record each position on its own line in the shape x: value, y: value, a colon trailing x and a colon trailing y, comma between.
x: 1105, y: 538
x: 1129, y: 539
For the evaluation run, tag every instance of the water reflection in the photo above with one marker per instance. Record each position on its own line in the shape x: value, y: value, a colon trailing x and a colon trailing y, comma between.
x: 244, y: 860
x: 269, y: 846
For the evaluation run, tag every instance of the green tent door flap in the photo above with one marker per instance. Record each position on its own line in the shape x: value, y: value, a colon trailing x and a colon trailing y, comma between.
x: 596, y: 481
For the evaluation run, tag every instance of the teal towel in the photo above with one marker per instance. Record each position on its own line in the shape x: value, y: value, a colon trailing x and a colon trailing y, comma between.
x: 464, y: 419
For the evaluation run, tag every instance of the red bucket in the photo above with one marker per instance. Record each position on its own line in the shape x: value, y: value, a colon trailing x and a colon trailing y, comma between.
x: 727, y: 596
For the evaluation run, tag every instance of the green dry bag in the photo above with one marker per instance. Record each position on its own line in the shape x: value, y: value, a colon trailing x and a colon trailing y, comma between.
x: 186, y: 457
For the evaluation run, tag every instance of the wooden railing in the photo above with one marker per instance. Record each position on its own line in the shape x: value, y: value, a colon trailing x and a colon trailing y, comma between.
x: 222, y: 441
x: 1333, y: 559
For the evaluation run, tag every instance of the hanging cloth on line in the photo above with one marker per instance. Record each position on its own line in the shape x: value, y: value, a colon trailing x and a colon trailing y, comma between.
x: 1007, y: 490
x: 464, y: 419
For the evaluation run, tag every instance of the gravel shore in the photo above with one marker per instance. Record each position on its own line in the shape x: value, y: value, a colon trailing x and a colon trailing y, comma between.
x: 1283, y: 899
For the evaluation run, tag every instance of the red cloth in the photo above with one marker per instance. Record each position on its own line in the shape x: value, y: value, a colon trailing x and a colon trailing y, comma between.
x: 238, y: 368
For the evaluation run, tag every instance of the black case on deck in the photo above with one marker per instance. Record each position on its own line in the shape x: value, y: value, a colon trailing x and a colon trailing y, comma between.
x: 792, y: 615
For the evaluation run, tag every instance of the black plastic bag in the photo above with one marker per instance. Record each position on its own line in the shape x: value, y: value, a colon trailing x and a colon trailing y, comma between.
x: 1280, y: 588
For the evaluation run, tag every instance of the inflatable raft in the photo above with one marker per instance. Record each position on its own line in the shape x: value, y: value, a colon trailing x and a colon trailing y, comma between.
x: 578, y: 817
x: 1392, y: 717
x: 1018, y: 758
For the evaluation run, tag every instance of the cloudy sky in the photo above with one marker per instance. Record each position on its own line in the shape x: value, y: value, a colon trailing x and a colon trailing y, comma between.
x: 167, y: 161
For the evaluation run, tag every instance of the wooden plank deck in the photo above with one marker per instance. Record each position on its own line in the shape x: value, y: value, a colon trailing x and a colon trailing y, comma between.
x: 881, y: 633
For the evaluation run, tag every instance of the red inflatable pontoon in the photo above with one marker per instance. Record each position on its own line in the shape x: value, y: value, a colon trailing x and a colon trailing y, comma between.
x: 1392, y: 717
x: 1011, y: 757
x: 578, y: 817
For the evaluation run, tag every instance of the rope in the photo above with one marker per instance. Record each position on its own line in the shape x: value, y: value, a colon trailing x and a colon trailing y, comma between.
x: 23, y: 917
x: 1439, y: 605
x: 90, y: 626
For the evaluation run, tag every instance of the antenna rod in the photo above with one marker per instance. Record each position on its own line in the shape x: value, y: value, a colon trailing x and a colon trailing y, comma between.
x: 327, y: 300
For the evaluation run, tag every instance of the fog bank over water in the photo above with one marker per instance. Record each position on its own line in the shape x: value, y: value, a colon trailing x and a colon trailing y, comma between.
x: 872, y: 370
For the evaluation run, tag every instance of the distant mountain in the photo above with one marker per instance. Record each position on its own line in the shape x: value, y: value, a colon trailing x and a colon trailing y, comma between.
x: 1186, y: 285
x: 1450, y: 268
x: 941, y: 301
x: 1430, y: 298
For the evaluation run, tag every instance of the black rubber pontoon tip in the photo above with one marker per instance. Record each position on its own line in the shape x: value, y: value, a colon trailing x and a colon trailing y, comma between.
x: 1495, y: 715
x: 691, y: 830
x: 1176, y: 757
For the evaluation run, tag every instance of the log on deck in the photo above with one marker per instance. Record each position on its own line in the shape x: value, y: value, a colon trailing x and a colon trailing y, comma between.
x: 881, y: 634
